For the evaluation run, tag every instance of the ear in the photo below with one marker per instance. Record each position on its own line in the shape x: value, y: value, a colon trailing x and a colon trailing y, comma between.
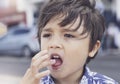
x: 95, y: 49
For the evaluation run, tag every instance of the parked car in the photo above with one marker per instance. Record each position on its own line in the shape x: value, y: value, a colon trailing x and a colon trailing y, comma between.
x: 20, y: 41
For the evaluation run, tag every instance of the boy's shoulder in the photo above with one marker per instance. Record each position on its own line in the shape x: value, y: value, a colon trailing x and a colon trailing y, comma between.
x: 90, y: 77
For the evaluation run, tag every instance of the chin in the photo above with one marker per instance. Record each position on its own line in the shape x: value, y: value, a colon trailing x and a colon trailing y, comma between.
x: 57, y: 76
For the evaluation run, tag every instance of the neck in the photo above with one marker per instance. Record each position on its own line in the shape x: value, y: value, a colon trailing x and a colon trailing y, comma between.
x: 70, y: 79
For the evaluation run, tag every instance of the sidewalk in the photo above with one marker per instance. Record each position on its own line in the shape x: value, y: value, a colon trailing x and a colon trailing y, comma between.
x: 109, y: 52
x: 4, y: 79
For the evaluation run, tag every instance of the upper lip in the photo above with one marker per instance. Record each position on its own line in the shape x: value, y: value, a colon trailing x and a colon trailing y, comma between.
x: 55, y: 54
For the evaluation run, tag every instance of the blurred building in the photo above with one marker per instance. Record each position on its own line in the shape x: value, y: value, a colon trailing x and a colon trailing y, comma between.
x: 14, y: 12
x: 112, y: 5
x: 25, y: 12
x: 9, y: 14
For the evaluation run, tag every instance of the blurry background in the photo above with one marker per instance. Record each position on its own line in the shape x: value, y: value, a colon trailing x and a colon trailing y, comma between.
x: 19, y: 42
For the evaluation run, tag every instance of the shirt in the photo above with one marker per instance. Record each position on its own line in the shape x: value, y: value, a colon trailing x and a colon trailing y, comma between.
x: 88, y: 77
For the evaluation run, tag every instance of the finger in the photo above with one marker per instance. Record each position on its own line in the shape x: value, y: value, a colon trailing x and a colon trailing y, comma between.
x: 42, y: 74
x: 41, y: 53
x: 39, y: 61
x: 46, y: 64
x: 27, y: 72
x: 34, y: 66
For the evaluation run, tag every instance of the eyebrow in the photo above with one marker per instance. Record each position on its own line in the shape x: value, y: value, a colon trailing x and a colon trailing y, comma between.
x: 47, y: 30
x: 68, y: 30
x: 64, y: 30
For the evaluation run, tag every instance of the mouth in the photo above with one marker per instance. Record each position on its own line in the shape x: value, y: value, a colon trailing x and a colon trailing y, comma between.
x: 58, y: 61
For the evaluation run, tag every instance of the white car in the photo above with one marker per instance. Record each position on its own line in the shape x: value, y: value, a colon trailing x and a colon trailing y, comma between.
x: 20, y: 41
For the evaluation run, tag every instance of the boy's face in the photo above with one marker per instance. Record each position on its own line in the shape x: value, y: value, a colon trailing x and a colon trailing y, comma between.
x: 66, y: 47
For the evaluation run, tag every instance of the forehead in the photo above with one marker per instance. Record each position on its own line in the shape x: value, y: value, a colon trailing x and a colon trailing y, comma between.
x: 55, y: 22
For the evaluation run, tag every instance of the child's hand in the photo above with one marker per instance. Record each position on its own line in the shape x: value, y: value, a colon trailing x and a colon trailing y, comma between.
x: 39, y: 61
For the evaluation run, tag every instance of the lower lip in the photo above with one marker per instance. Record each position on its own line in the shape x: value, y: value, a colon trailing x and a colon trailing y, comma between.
x: 56, y: 67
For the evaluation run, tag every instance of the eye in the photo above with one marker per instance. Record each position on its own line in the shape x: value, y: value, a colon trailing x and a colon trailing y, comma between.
x: 46, y: 35
x: 69, y: 36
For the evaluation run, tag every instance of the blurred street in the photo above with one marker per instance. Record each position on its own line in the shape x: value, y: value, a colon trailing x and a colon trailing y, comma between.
x: 107, y: 63
x: 13, y: 68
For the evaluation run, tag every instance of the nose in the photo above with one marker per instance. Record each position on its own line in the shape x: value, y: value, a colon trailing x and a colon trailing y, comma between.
x: 55, y: 44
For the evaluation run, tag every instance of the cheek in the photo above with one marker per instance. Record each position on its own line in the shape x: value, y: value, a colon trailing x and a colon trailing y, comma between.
x: 43, y: 44
x: 79, y: 55
x: 80, y: 49
x: 78, y: 52
x: 76, y: 58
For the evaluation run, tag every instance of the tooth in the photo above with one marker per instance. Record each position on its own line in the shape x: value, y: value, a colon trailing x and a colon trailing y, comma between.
x: 56, y: 56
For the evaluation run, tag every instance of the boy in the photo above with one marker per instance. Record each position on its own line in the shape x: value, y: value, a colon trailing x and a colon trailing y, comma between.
x: 70, y: 33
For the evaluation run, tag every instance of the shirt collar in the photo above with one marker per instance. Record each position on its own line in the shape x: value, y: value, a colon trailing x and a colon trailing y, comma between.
x: 48, y: 79
x: 86, y: 75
